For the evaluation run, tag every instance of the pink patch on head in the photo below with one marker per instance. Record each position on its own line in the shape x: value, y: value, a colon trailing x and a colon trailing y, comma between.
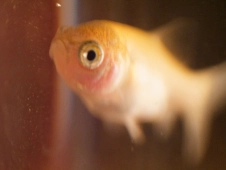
x: 102, y: 82
x: 92, y: 80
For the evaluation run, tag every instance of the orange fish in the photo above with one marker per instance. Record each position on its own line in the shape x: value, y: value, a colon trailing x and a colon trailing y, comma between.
x: 127, y: 76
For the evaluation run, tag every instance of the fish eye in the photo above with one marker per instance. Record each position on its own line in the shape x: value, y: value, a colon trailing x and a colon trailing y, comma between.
x: 91, y: 54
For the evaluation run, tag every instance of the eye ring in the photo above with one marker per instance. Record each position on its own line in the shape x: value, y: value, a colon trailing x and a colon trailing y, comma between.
x: 91, y: 54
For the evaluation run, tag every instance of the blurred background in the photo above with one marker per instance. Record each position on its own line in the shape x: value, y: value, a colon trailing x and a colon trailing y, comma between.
x: 43, y: 125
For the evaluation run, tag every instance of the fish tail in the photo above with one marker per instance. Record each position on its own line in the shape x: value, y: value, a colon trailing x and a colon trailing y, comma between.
x: 207, y: 96
x: 217, y: 98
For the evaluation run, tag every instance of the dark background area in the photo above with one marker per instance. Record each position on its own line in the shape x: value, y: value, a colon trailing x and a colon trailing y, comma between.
x: 29, y: 136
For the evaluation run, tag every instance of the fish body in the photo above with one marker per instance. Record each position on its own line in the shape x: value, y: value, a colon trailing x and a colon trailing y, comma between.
x: 127, y: 76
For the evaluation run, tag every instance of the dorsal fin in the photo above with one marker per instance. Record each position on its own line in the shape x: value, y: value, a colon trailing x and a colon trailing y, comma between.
x: 180, y: 36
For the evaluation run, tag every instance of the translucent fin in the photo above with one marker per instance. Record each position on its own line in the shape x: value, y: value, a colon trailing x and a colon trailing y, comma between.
x: 197, y: 129
x: 199, y: 115
x: 217, y: 98
x: 181, y: 38
x: 135, y: 131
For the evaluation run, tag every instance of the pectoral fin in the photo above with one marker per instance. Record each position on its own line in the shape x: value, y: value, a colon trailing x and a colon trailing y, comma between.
x: 135, y: 130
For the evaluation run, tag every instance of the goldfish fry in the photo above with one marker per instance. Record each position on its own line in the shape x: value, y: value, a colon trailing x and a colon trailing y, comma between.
x: 127, y: 76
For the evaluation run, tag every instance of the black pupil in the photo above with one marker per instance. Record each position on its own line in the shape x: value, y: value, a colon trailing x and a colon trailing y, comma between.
x: 91, y: 55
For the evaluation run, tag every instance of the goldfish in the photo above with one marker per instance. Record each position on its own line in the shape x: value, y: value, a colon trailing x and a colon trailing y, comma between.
x: 128, y: 76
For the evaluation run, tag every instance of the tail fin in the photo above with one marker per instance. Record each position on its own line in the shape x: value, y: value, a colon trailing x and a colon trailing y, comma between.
x: 209, y: 95
x: 217, y: 98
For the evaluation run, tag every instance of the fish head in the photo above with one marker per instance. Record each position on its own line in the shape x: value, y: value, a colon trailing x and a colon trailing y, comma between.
x: 91, y: 58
